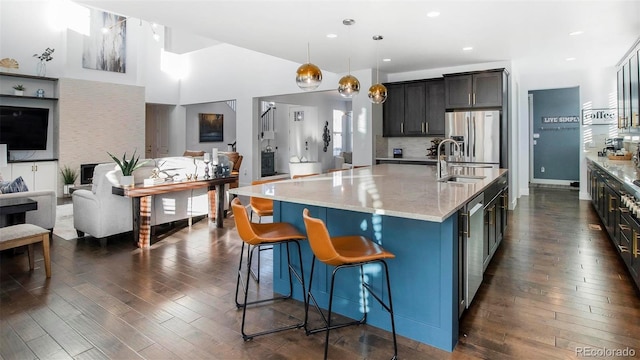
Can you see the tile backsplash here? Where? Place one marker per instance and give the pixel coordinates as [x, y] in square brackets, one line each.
[412, 147]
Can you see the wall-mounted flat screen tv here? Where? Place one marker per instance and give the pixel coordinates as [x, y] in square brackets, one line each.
[24, 128]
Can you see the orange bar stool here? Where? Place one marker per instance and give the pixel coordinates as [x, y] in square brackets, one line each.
[261, 207]
[255, 236]
[344, 252]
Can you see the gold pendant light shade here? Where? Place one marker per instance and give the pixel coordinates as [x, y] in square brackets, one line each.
[377, 93]
[348, 86]
[308, 77]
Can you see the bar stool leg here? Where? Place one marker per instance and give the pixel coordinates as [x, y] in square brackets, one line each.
[390, 309]
[239, 279]
[326, 338]
[309, 296]
[292, 273]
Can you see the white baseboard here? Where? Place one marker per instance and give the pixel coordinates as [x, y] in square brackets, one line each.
[584, 195]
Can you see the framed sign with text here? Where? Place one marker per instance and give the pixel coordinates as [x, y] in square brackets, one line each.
[599, 116]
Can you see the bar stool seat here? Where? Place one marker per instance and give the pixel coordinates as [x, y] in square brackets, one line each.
[344, 252]
[256, 236]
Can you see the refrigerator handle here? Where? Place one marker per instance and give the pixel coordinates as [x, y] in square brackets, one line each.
[472, 138]
[469, 139]
[473, 135]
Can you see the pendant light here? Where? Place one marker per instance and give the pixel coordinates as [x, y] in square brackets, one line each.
[349, 84]
[377, 92]
[308, 76]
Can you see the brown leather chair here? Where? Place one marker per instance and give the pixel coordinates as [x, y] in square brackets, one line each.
[344, 252]
[193, 153]
[256, 236]
[236, 158]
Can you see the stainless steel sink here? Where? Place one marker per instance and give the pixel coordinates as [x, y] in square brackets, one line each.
[462, 178]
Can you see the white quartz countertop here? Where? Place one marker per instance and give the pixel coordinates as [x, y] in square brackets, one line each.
[624, 171]
[406, 191]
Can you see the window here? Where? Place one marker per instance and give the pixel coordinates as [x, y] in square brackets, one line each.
[341, 135]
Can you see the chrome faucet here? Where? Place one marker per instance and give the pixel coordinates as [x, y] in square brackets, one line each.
[440, 161]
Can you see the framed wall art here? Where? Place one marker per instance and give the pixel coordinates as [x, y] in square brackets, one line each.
[105, 47]
[211, 127]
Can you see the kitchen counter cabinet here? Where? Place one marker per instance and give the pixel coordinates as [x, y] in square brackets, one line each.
[608, 181]
[495, 217]
[410, 214]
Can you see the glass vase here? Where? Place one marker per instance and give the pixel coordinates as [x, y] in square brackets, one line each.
[41, 68]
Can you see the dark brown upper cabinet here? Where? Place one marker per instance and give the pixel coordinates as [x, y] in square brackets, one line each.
[414, 108]
[474, 90]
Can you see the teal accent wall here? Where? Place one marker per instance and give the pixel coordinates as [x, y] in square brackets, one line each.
[557, 149]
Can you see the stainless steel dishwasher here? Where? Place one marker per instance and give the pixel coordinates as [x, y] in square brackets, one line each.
[471, 246]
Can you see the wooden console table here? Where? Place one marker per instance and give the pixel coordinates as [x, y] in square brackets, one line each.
[141, 198]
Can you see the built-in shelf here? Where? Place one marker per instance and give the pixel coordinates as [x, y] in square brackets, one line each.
[27, 97]
[25, 76]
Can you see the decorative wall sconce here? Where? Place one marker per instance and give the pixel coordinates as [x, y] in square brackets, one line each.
[326, 136]
[377, 92]
[308, 76]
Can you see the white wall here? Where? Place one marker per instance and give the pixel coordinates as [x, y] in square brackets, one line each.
[192, 126]
[597, 88]
[221, 73]
[325, 102]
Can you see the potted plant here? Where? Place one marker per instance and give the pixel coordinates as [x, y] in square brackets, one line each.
[18, 89]
[69, 177]
[127, 167]
[41, 68]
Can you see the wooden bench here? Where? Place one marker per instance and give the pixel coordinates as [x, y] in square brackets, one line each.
[27, 234]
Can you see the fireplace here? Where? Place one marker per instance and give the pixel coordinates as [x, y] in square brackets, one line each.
[86, 173]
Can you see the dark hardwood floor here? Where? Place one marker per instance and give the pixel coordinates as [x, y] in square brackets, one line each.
[553, 287]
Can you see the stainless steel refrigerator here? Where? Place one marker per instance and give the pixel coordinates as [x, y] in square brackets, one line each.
[478, 134]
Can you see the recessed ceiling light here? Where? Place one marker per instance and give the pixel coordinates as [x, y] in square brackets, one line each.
[467, 48]
[386, 60]
[433, 14]
[332, 36]
[577, 32]
[570, 58]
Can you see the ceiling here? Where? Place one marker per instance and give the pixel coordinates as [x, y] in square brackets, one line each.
[532, 34]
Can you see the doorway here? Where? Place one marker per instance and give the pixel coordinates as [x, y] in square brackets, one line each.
[554, 118]
[157, 119]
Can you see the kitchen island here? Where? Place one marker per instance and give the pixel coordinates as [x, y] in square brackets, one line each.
[407, 211]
